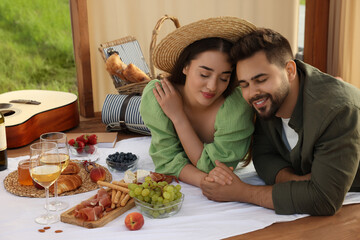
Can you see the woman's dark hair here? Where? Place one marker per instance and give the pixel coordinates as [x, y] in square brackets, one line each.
[193, 50]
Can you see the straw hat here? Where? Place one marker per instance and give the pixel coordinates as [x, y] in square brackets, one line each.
[168, 50]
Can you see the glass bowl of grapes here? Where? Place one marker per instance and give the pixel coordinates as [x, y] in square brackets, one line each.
[157, 199]
[121, 161]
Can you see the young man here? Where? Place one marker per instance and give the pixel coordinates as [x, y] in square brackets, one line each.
[307, 134]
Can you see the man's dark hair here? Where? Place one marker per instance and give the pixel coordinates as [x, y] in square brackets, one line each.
[193, 50]
[276, 47]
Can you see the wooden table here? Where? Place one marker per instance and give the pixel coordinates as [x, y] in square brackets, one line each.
[345, 224]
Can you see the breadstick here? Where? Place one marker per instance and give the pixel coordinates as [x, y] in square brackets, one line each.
[122, 196]
[113, 198]
[113, 186]
[117, 196]
[125, 200]
[120, 183]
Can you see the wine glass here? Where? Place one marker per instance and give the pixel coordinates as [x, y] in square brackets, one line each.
[61, 140]
[45, 169]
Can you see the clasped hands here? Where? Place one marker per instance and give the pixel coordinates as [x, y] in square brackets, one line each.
[221, 184]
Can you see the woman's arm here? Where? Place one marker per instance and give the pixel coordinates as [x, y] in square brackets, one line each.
[191, 175]
[171, 103]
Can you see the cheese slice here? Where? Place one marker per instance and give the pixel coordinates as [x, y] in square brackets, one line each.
[129, 177]
[141, 174]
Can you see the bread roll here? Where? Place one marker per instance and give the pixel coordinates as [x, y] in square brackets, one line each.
[115, 66]
[72, 168]
[67, 183]
[134, 74]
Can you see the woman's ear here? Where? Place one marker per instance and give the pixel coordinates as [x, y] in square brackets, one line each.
[185, 70]
[291, 70]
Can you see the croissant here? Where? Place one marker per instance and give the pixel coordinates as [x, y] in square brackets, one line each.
[134, 74]
[115, 66]
[72, 168]
[67, 183]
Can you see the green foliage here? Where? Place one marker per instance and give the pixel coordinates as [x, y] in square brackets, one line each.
[36, 46]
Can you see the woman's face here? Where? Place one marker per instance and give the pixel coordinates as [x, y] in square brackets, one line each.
[207, 77]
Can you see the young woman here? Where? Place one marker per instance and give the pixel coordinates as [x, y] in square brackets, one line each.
[197, 115]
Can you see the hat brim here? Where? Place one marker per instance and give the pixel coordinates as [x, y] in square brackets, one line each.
[168, 50]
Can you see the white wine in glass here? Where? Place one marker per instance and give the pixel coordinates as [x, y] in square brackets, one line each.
[45, 173]
[61, 140]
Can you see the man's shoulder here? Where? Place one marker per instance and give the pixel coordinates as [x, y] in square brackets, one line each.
[323, 90]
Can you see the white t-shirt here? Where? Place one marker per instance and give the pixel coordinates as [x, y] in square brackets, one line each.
[291, 136]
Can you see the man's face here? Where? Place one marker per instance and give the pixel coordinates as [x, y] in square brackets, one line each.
[264, 85]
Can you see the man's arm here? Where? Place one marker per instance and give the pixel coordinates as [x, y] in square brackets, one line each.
[288, 174]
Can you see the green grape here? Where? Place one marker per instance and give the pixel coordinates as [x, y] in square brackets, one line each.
[166, 195]
[160, 200]
[178, 187]
[156, 214]
[145, 192]
[179, 195]
[140, 197]
[148, 179]
[169, 188]
[132, 186]
[145, 185]
[132, 194]
[138, 190]
[166, 201]
[152, 193]
[172, 197]
[147, 199]
[154, 198]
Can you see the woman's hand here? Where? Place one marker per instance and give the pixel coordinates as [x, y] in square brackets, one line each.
[221, 174]
[169, 99]
[216, 191]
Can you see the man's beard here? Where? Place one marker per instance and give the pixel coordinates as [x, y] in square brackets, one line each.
[275, 100]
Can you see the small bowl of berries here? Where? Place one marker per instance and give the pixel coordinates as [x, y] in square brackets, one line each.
[121, 161]
[84, 147]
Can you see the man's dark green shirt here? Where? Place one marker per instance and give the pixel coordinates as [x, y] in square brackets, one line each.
[326, 119]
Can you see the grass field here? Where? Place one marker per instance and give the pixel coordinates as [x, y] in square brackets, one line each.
[36, 46]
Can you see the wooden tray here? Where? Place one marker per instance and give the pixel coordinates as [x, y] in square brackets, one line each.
[68, 216]
[12, 185]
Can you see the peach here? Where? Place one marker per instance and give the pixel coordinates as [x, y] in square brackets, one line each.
[97, 174]
[134, 221]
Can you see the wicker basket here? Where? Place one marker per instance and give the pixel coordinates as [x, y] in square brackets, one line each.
[122, 86]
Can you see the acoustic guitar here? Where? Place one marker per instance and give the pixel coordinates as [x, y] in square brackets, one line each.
[30, 113]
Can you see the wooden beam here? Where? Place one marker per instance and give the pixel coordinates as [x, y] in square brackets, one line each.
[316, 33]
[80, 31]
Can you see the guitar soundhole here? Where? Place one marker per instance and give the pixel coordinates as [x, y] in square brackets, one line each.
[5, 105]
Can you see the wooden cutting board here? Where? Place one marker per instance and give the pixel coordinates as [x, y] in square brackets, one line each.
[68, 216]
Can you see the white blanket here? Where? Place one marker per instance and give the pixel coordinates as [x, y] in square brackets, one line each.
[198, 218]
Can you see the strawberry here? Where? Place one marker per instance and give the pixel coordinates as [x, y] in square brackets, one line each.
[92, 139]
[89, 149]
[83, 138]
[71, 142]
[79, 145]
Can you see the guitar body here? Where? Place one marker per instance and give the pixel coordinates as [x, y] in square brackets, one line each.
[53, 111]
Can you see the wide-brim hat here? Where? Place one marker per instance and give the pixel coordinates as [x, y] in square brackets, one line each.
[170, 47]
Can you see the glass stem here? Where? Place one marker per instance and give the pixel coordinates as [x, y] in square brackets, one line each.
[55, 191]
[47, 200]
